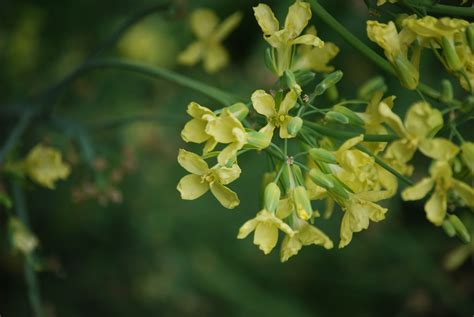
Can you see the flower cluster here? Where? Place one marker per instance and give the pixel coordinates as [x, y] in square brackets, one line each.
[347, 156]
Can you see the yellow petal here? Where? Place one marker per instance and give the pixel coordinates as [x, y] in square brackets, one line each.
[224, 195]
[266, 236]
[227, 175]
[268, 130]
[210, 145]
[263, 103]
[225, 129]
[284, 134]
[285, 208]
[419, 190]
[465, 191]
[436, 207]
[247, 228]
[203, 22]
[392, 119]
[197, 111]
[439, 149]
[431, 27]
[309, 39]
[192, 162]
[215, 58]
[289, 247]
[227, 26]
[422, 120]
[45, 166]
[266, 19]
[386, 36]
[192, 187]
[288, 102]
[309, 234]
[297, 18]
[195, 131]
[228, 154]
[191, 55]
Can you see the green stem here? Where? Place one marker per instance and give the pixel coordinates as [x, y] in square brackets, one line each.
[344, 135]
[451, 10]
[367, 51]
[380, 162]
[34, 295]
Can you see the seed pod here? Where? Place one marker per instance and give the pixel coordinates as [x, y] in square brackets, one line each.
[271, 197]
[446, 91]
[450, 55]
[258, 140]
[291, 81]
[239, 110]
[406, 72]
[322, 155]
[351, 115]
[302, 203]
[294, 126]
[461, 230]
[330, 80]
[321, 179]
[336, 117]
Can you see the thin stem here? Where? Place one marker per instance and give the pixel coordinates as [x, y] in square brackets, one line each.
[34, 295]
[451, 10]
[344, 135]
[367, 51]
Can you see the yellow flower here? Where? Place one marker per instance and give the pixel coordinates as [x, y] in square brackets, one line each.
[203, 178]
[22, 238]
[266, 226]
[468, 82]
[467, 155]
[381, 2]
[358, 210]
[265, 105]
[421, 123]
[195, 129]
[282, 40]
[210, 34]
[395, 45]
[45, 166]
[442, 180]
[316, 58]
[304, 235]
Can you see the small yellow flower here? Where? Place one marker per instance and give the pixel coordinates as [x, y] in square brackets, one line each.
[282, 40]
[316, 58]
[442, 180]
[467, 155]
[266, 226]
[210, 34]
[265, 105]
[304, 235]
[45, 166]
[358, 210]
[381, 2]
[203, 178]
[195, 129]
[22, 238]
[395, 45]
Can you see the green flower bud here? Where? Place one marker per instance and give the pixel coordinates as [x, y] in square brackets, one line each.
[468, 104]
[467, 155]
[294, 126]
[258, 140]
[271, 197]
[406, 72]
[446, 91]
[329, 81]
[371, 86]
[332, 93]
[322, 155]
[461, 230]
[304, 77]
[291, 81]
[449, 228]
[470, 37]
[298, 176]
[302, 203]
[321, 179]
[450, 55]
[336, 117]
[239, 110]
[338, 189]
[270, 60]
[351, 115]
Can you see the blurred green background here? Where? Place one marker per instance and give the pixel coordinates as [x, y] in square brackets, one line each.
[116, 239]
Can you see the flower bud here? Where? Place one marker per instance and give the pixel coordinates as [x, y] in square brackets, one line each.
[298, 176]
[351, 115]
[302, 203]
[446, 91]
[468, 104]
[406, 72]
[321, 179]
[258, 140]
[330, 80]
[21, 237]
[336, 117]
[449, 228]
[467, 155]
[371, 86]
[338, 188]
[332, 93]
[304, 77]
[239, 110]
[271, 197]
[322, 155]
[450, 55]
[294, 126]
[270, 60]
[461, 230]
[291, 82]
[470, 37]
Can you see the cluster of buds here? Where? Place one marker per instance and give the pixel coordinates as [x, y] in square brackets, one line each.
[338, 155]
